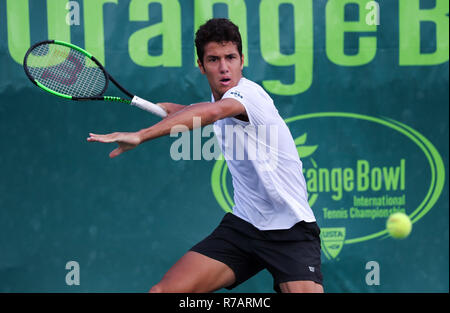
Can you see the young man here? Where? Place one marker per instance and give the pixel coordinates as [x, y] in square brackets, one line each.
[272, 225]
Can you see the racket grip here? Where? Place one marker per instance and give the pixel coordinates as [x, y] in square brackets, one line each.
[148, 106]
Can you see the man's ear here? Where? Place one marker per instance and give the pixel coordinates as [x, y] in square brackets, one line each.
[242, 62]
[200, 66]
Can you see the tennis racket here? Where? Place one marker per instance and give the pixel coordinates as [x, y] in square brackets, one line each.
[70, 72]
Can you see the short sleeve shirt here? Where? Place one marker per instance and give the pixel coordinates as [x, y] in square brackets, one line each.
[269, 186]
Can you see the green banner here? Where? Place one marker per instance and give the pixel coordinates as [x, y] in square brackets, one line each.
[362, 86]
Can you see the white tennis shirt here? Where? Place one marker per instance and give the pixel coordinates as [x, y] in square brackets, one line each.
[269, 186]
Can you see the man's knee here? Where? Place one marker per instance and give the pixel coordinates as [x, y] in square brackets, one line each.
[165, 287]
[156, 289]
[302, 286]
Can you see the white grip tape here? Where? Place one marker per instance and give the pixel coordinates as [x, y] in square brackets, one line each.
[148, 106]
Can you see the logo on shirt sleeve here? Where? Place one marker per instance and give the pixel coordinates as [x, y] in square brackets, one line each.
[237, 94]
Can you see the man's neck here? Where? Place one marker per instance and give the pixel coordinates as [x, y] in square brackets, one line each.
[217, 96]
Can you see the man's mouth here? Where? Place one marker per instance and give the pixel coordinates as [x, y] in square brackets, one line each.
[225, 81]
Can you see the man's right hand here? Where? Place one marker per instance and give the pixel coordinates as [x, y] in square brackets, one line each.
[171, 108]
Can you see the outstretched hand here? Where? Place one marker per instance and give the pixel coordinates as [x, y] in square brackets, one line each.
[126, 141]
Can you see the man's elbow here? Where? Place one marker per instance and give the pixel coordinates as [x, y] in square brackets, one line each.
[215, 113]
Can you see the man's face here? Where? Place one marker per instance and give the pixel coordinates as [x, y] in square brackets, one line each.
[223, 66]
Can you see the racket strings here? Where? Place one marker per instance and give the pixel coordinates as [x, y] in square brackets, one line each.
[66, 71]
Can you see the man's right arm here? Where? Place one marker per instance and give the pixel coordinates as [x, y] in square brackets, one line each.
[207, 112]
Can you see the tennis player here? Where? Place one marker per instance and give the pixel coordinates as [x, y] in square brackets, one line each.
[272, 226]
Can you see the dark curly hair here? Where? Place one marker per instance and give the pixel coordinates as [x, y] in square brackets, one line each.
[217, 30]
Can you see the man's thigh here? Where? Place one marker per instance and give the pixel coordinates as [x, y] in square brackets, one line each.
[195, 272]
[304, 286]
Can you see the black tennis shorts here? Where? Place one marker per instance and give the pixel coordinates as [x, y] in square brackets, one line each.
[288, 254]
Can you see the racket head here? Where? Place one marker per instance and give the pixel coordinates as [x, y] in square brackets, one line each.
[65, 70]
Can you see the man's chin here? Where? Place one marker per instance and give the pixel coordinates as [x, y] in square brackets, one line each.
[224, 89]
[221, 90]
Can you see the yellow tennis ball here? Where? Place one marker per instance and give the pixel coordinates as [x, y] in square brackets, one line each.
[399, 225]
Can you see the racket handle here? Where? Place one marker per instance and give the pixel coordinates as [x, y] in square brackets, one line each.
[148, 106]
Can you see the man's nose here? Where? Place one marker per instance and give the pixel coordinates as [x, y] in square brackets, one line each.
[223, 66]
